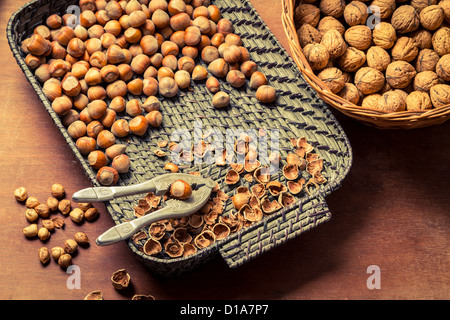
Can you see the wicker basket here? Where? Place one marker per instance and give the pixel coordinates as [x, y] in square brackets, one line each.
[371, 117]
[297, 112]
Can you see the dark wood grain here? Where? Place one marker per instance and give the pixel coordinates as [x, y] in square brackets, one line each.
[391, 211]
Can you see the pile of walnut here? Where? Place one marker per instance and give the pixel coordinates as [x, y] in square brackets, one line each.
[257, 194]
[146, 50]
[402, 63]
[37, 210]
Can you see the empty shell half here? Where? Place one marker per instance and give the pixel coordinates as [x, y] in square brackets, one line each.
[276, 187]
[268, 206]
[157, 230]
[221, 230]
[232, 177]
[294, 187]
[290, 171]
[262, 174]
[259, 190]
[204, 239]
[120, 279]
[182, 235]
[152, 247]
[189, 249]
[173, 248]
[286, 199]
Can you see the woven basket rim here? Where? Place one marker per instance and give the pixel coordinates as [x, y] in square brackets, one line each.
[377, 118]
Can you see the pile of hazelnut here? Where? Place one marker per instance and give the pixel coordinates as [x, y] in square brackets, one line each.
[399, 62]
[44, 210]
[105, 76]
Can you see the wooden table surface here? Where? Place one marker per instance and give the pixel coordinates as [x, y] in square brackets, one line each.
[392, 211]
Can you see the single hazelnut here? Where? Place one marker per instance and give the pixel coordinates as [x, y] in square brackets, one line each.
[221, 99]
[21, 194]
[91, 214]
[44, 255]
[65, 260]
[48, 224]
[236, 78]
[199, 73]
[107, 176]
[168, 87]
[154, 118]
[180, 190]
[258, 79]
[121, 163]
[212, 84]
[81, 238]
[266, 94]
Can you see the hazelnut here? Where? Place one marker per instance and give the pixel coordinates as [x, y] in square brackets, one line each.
[44, 255]
[81, 238]
[48, 224]
[213, 85]
[65, 260]
[180, 190]
[107, 176]
[42, 210]
[266, 94]
[168, 87]
[57, 252]
[64, 206]
[32, 202]
[154, 118]
[97, 159]
[236, 78]
[199, 73]
[220, 100]
[70, 246]
[20, 194]
[43, 234]
[77, 215]
[120, 128]
[91, 214]
[31, 230]
[138, 125]
[218, 68]
[105, 139]
[182, 78]
[31, 215]
[258, 79]
[121, 163]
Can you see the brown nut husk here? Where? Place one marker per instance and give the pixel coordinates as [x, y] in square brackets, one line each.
[404, 49]
[359, 36]
[333, 78]
[317, 55]
[262, 175]
[232, 177]
[418, 100]
[440, 95]
[334, 42]
[351, 60]
[355, 13]
[369, 80]
[189, 249]
[405, 19]
[307, 34]
[275, 188]
[441, 41]
[431, 17]
[120, 279]
[423, 81]
[427, 60]
[221, 231]
[391, 101]
[152, 247]
[384, 35]
[399, 74]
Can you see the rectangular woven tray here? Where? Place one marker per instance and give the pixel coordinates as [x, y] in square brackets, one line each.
[297, 112]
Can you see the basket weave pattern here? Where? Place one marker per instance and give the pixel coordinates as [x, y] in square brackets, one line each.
[297, 112]
[371, 117]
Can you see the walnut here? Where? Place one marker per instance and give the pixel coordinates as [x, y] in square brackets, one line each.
[441, 41]
[424, 80]
[391, 101]
[335, 44]
[333, 78]
[359, 37]
[405, 19]
[418, 100]
[404, 49]
[427, 60]
[307, 13]
[334, 8]
[351, 60]
[355, 13]
[440, 95]
[402, 93]
[378, 58]
[347, 77]
[317, 55]
[384, 35]
[371, 101]
[445, 5]
[350, 93]
[432, 17]
[386, 7]
[369, 80]
[443, 67]
[422, 38]
[307, 34]
[399, 74]
[328, 23]
[419, 5]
